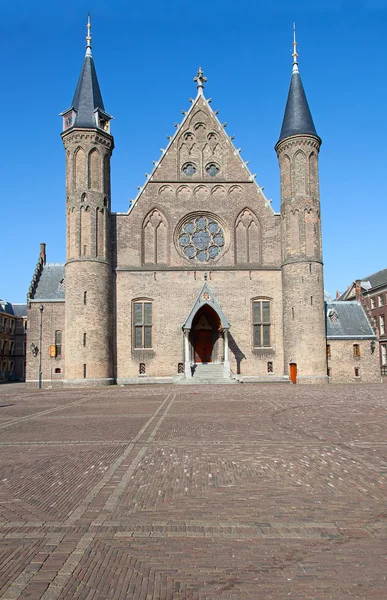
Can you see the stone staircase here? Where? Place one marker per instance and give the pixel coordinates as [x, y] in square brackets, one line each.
[208, 373]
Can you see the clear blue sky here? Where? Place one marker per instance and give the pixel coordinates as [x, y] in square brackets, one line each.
[146, 55]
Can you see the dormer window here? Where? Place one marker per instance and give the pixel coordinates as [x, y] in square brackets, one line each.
[67, 120]
[332, 314]
[104, 124]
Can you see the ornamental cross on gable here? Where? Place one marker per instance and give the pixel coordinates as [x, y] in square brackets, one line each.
[201, 80]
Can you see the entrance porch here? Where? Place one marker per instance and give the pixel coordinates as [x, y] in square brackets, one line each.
[206, 338]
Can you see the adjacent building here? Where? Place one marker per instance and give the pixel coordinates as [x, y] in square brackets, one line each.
[13, 332]
[371, 292]
[351, 344]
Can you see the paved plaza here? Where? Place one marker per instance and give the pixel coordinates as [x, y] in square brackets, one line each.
[194, 492]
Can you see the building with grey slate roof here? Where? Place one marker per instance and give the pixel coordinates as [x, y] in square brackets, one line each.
[351, 343]
[371, 292]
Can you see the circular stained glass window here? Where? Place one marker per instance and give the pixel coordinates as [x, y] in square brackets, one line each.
[189, 169]
[212, 169]
[201, 239]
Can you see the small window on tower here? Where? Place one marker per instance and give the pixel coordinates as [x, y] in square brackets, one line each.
[68, 120]
[104, 124]
[58, 343]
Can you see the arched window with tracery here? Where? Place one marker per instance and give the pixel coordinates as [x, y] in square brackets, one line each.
[155, 238]
[248, 238]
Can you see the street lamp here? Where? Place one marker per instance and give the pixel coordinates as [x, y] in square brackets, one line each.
[40, 346]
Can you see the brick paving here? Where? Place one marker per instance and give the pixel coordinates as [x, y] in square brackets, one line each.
[233, 492]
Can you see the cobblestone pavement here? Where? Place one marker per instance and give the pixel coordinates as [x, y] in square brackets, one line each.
[231, 492]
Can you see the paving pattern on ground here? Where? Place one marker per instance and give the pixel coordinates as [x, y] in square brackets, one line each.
[212, 492]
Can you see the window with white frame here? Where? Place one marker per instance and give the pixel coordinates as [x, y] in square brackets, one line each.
[383, 353]
[380, 300]
[382, 329]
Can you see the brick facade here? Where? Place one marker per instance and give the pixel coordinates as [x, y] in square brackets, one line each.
[133, 278]
[352, 361]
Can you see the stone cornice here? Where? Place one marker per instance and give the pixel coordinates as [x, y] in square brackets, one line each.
[302, 259]
[209, 269]
[298, 140]
[91, 135]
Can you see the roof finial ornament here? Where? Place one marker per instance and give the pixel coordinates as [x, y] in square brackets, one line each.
[295, 54]
[88, 37]
[201, 80]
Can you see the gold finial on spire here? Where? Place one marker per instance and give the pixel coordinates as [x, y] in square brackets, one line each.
[295, 54]
[88, 36]
[201, 80]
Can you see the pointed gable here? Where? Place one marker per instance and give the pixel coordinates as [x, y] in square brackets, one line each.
[201, 150]
[206, 296]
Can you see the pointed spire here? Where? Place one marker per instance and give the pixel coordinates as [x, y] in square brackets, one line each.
[88, 37]
[295, 54]
[201, 80]
[87, 102]
[297, 118]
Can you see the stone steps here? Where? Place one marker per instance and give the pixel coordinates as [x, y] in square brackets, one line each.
[208, 373]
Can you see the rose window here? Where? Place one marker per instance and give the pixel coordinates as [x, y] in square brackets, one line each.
[201, 239]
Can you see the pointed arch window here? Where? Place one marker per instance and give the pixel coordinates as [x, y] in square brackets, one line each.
[155, 238]
[248, 238]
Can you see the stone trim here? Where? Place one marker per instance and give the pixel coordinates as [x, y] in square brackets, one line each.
[298, 140]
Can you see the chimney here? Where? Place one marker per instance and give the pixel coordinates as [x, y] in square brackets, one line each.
[43, 252]
[358, 293]
[337, 294]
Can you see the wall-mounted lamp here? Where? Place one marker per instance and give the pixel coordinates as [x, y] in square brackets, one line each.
[34, 349]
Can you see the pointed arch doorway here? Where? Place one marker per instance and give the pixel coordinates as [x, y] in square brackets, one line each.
[205, 335]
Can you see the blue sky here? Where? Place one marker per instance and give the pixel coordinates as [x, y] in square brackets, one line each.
[146, 55]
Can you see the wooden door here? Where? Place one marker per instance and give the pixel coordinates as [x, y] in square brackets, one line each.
[293, 372]
[203, 346]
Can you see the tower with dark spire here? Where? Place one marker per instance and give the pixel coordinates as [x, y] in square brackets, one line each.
[302, 268]
[88, 145]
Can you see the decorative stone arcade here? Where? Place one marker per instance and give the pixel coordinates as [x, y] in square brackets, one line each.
[206, 334]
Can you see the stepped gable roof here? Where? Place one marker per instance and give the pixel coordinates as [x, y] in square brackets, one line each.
[51, 284]
[206, 296]
[347, 320]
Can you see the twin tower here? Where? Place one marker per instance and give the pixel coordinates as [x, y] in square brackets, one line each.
[90, 272]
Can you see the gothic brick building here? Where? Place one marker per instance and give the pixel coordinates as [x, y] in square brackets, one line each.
[201, 277]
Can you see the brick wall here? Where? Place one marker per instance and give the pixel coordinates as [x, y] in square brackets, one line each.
[342, 362]
[53, 319]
